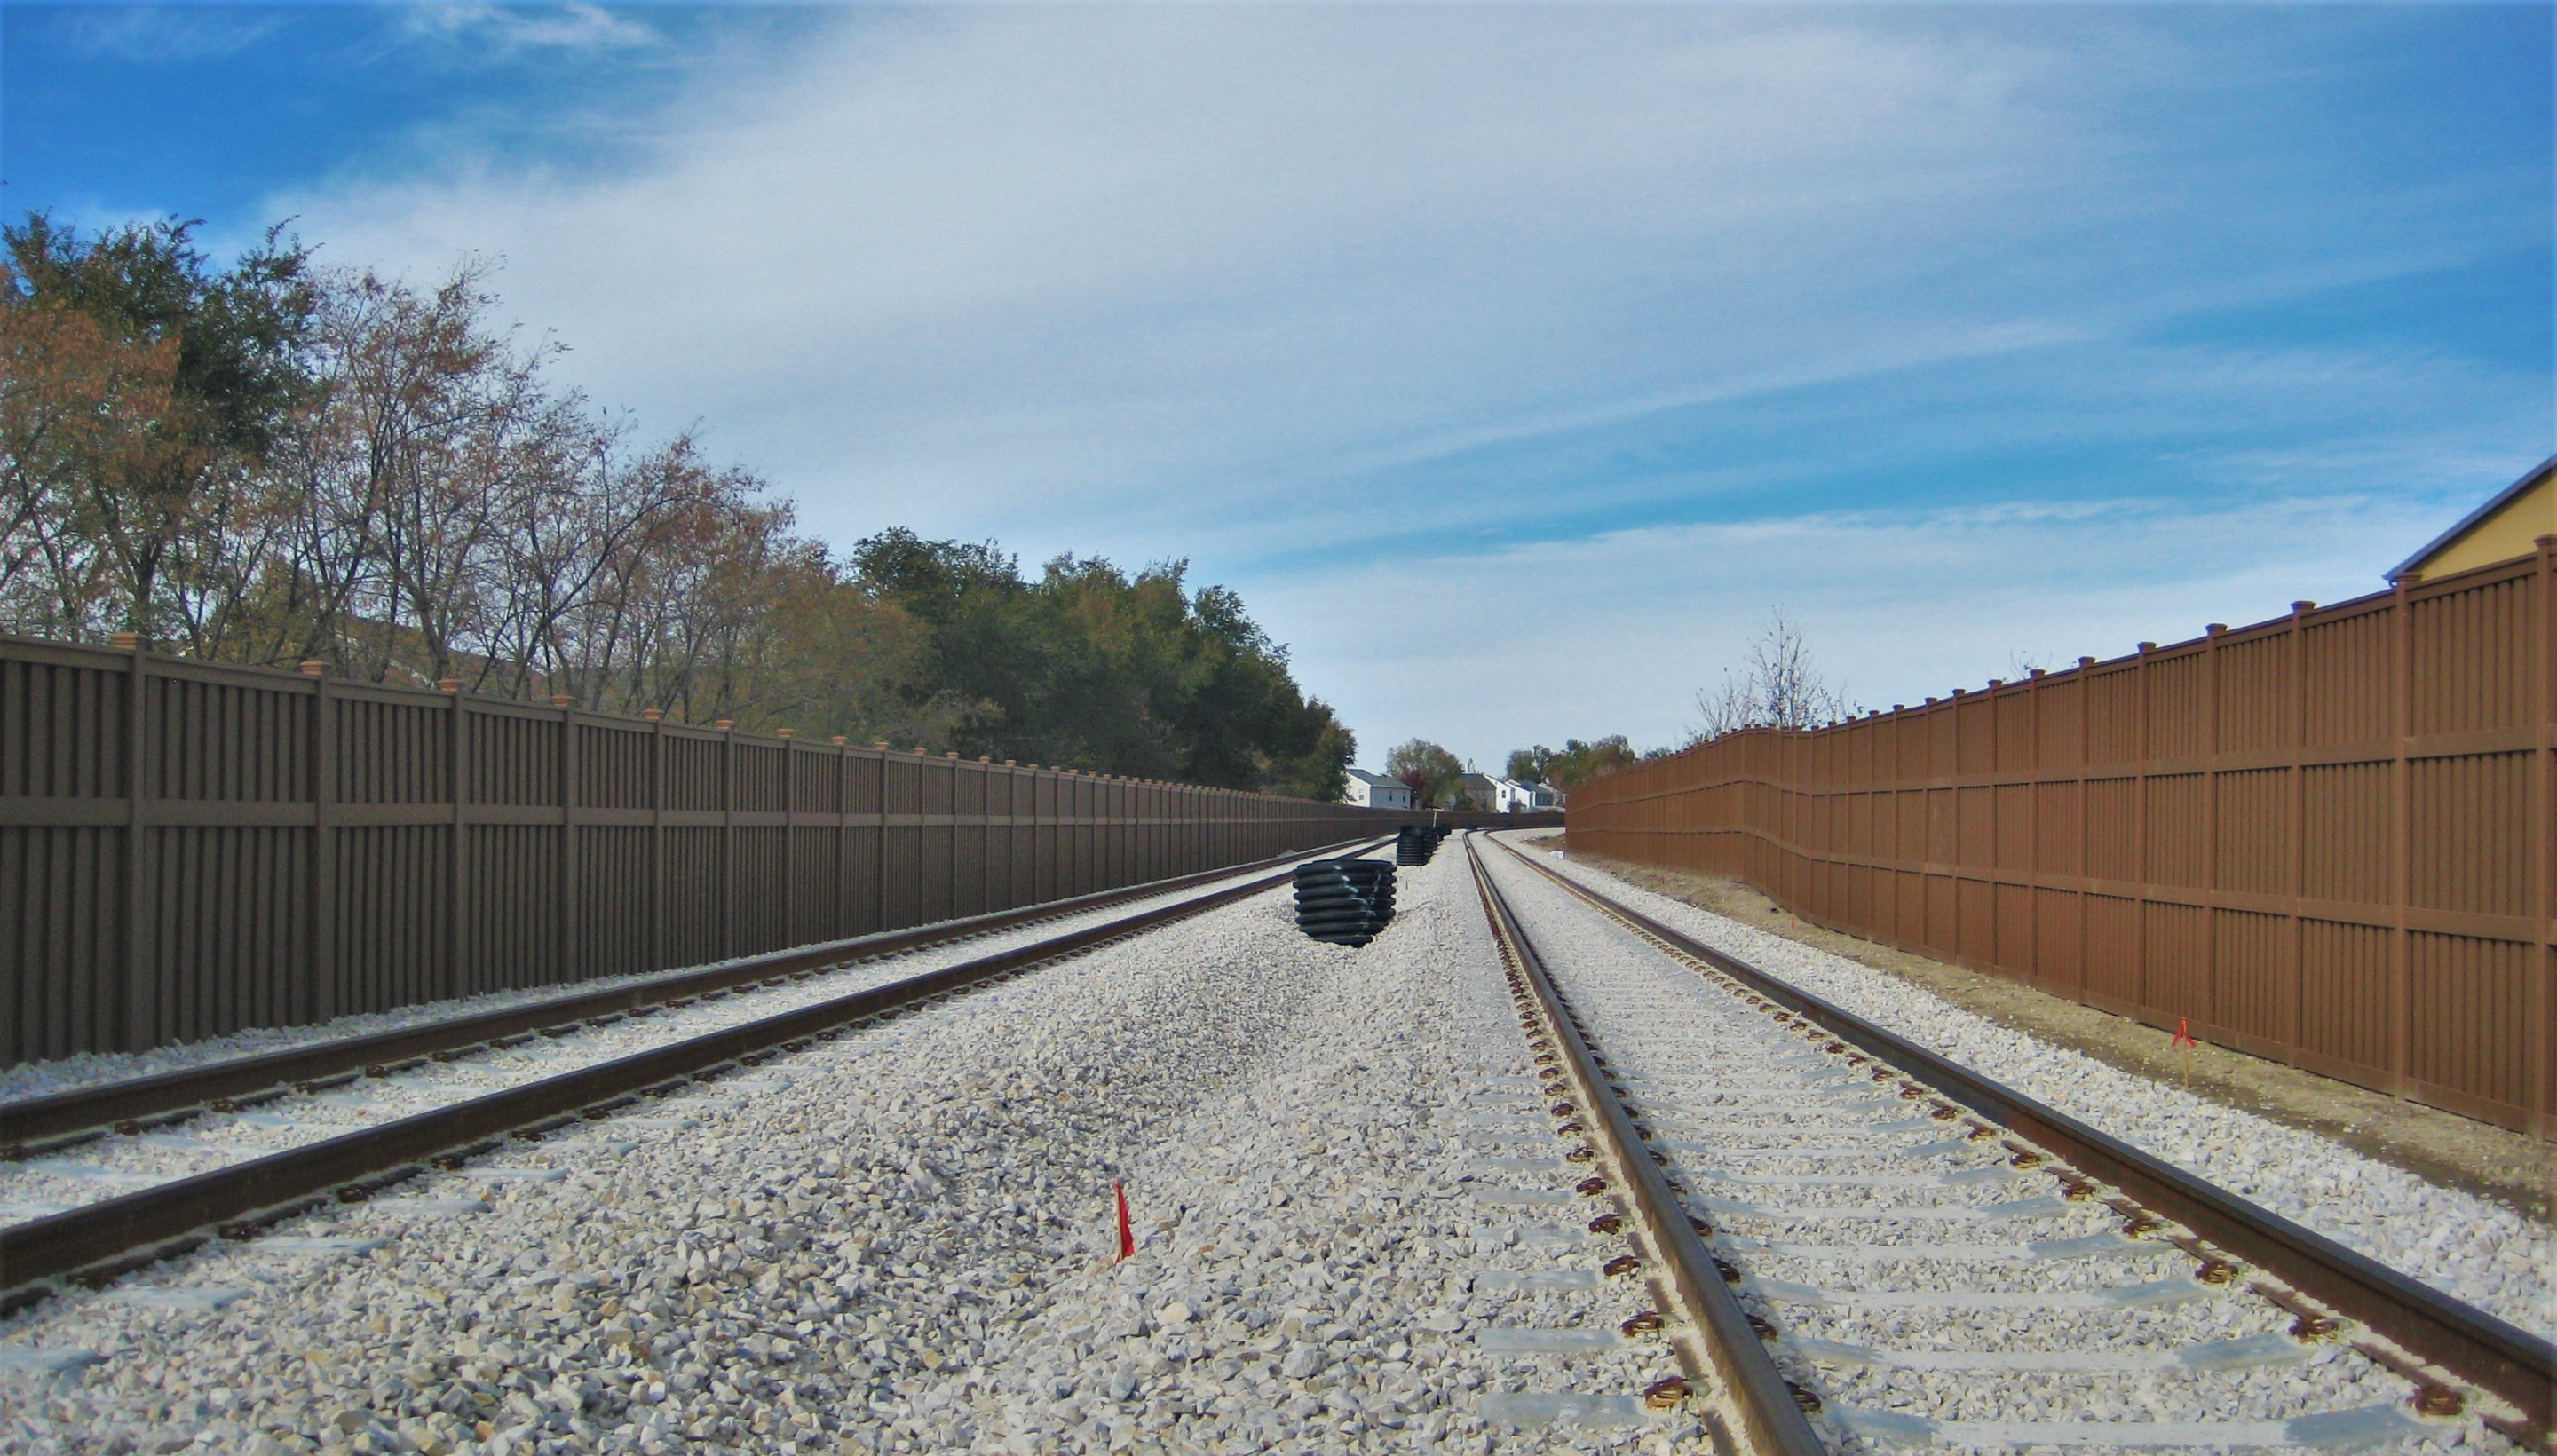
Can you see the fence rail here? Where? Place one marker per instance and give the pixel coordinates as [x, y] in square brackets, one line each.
[2325, 839]
[188, 849]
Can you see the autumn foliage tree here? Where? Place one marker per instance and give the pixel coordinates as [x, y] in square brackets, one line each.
[275, 462]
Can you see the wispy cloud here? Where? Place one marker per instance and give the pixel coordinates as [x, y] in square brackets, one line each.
[165, 34]
[1304, 292]
[507, 29]
[1613, 633]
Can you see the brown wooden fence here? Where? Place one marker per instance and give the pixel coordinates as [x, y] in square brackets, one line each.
[2324, 838]
[188, 849]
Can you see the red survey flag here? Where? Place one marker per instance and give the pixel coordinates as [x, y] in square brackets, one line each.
[1126, 1234]
[2184, 1033]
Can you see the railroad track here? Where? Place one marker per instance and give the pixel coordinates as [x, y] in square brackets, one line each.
[1867, 1245]
[97, 1241]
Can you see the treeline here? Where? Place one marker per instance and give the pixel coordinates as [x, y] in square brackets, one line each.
[1779, 685]
[275, 462]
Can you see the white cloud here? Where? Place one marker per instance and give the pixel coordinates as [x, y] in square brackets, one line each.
[1255, 283]
[155, 34]
[505, 29]
[1559, 639]
[1054, 260]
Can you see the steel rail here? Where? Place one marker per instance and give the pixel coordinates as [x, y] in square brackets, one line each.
[37, 1124]
[1772, 1423]
[2487, 1353]
[96, 1241]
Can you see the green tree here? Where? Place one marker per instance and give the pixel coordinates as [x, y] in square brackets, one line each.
[1574, 763]
[1094, 667]
[1428, 769]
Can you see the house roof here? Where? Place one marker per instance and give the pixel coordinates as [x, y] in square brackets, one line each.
[1376, 780]
[2530, 480]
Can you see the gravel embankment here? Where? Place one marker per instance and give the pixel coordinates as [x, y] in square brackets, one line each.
[92, 1171]
[89, 1069]
[896, 1243]
[2472, 1248]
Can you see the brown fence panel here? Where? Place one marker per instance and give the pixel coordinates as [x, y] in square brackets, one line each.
[2325, 839]
[188, 849]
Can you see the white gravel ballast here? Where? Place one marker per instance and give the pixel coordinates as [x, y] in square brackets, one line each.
[1355, 1233]
[2472, 1248]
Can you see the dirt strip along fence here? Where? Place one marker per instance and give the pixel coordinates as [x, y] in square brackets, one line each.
[2324, 838]
[188, 849]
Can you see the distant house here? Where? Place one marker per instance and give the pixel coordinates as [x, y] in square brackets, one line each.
[1376, 791]
[1522, 798]
[2505, 527]
[1478, 790]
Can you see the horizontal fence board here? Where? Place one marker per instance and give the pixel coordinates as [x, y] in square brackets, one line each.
[2325, 839]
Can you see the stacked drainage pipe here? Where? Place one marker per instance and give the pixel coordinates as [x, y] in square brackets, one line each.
[1413, 844]
[1344, 901]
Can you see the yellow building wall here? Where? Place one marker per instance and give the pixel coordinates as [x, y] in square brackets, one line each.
[2512, 531]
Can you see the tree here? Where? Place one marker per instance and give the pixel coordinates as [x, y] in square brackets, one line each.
[198, 371]
[1095, 667]
[1573, 764]
[1780, 687]
[1428, 770]
[278, 463]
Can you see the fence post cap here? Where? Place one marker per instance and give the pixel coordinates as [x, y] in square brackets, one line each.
[1008, 764]
[124, 641]
[448, 684]
[2086, 662]
[989, 758]
[882, 745]
[725, 725]
[841, 740]
[2147, 648]
[312, 667]
[785, 733]
[654, 714]
[2033, 672]
[2214, 629]
[562, 700]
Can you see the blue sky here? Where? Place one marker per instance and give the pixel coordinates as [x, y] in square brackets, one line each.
[1512, 362]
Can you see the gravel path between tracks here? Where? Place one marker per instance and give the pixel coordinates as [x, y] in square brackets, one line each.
[898, 1241]
[2476, 1248]
[90, 1068]
[106, 1167]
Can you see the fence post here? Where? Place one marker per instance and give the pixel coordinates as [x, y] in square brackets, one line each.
[457, 865]
[141, 1008]
[2296, 885]
[728, 837]
[2085, 835]
[2140, 871]
[572, 917]
[656, 718]
[789, 837]
[2543, 697]
[2212, 889]
[320, 999]
[843, 799]
[2401, 808]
